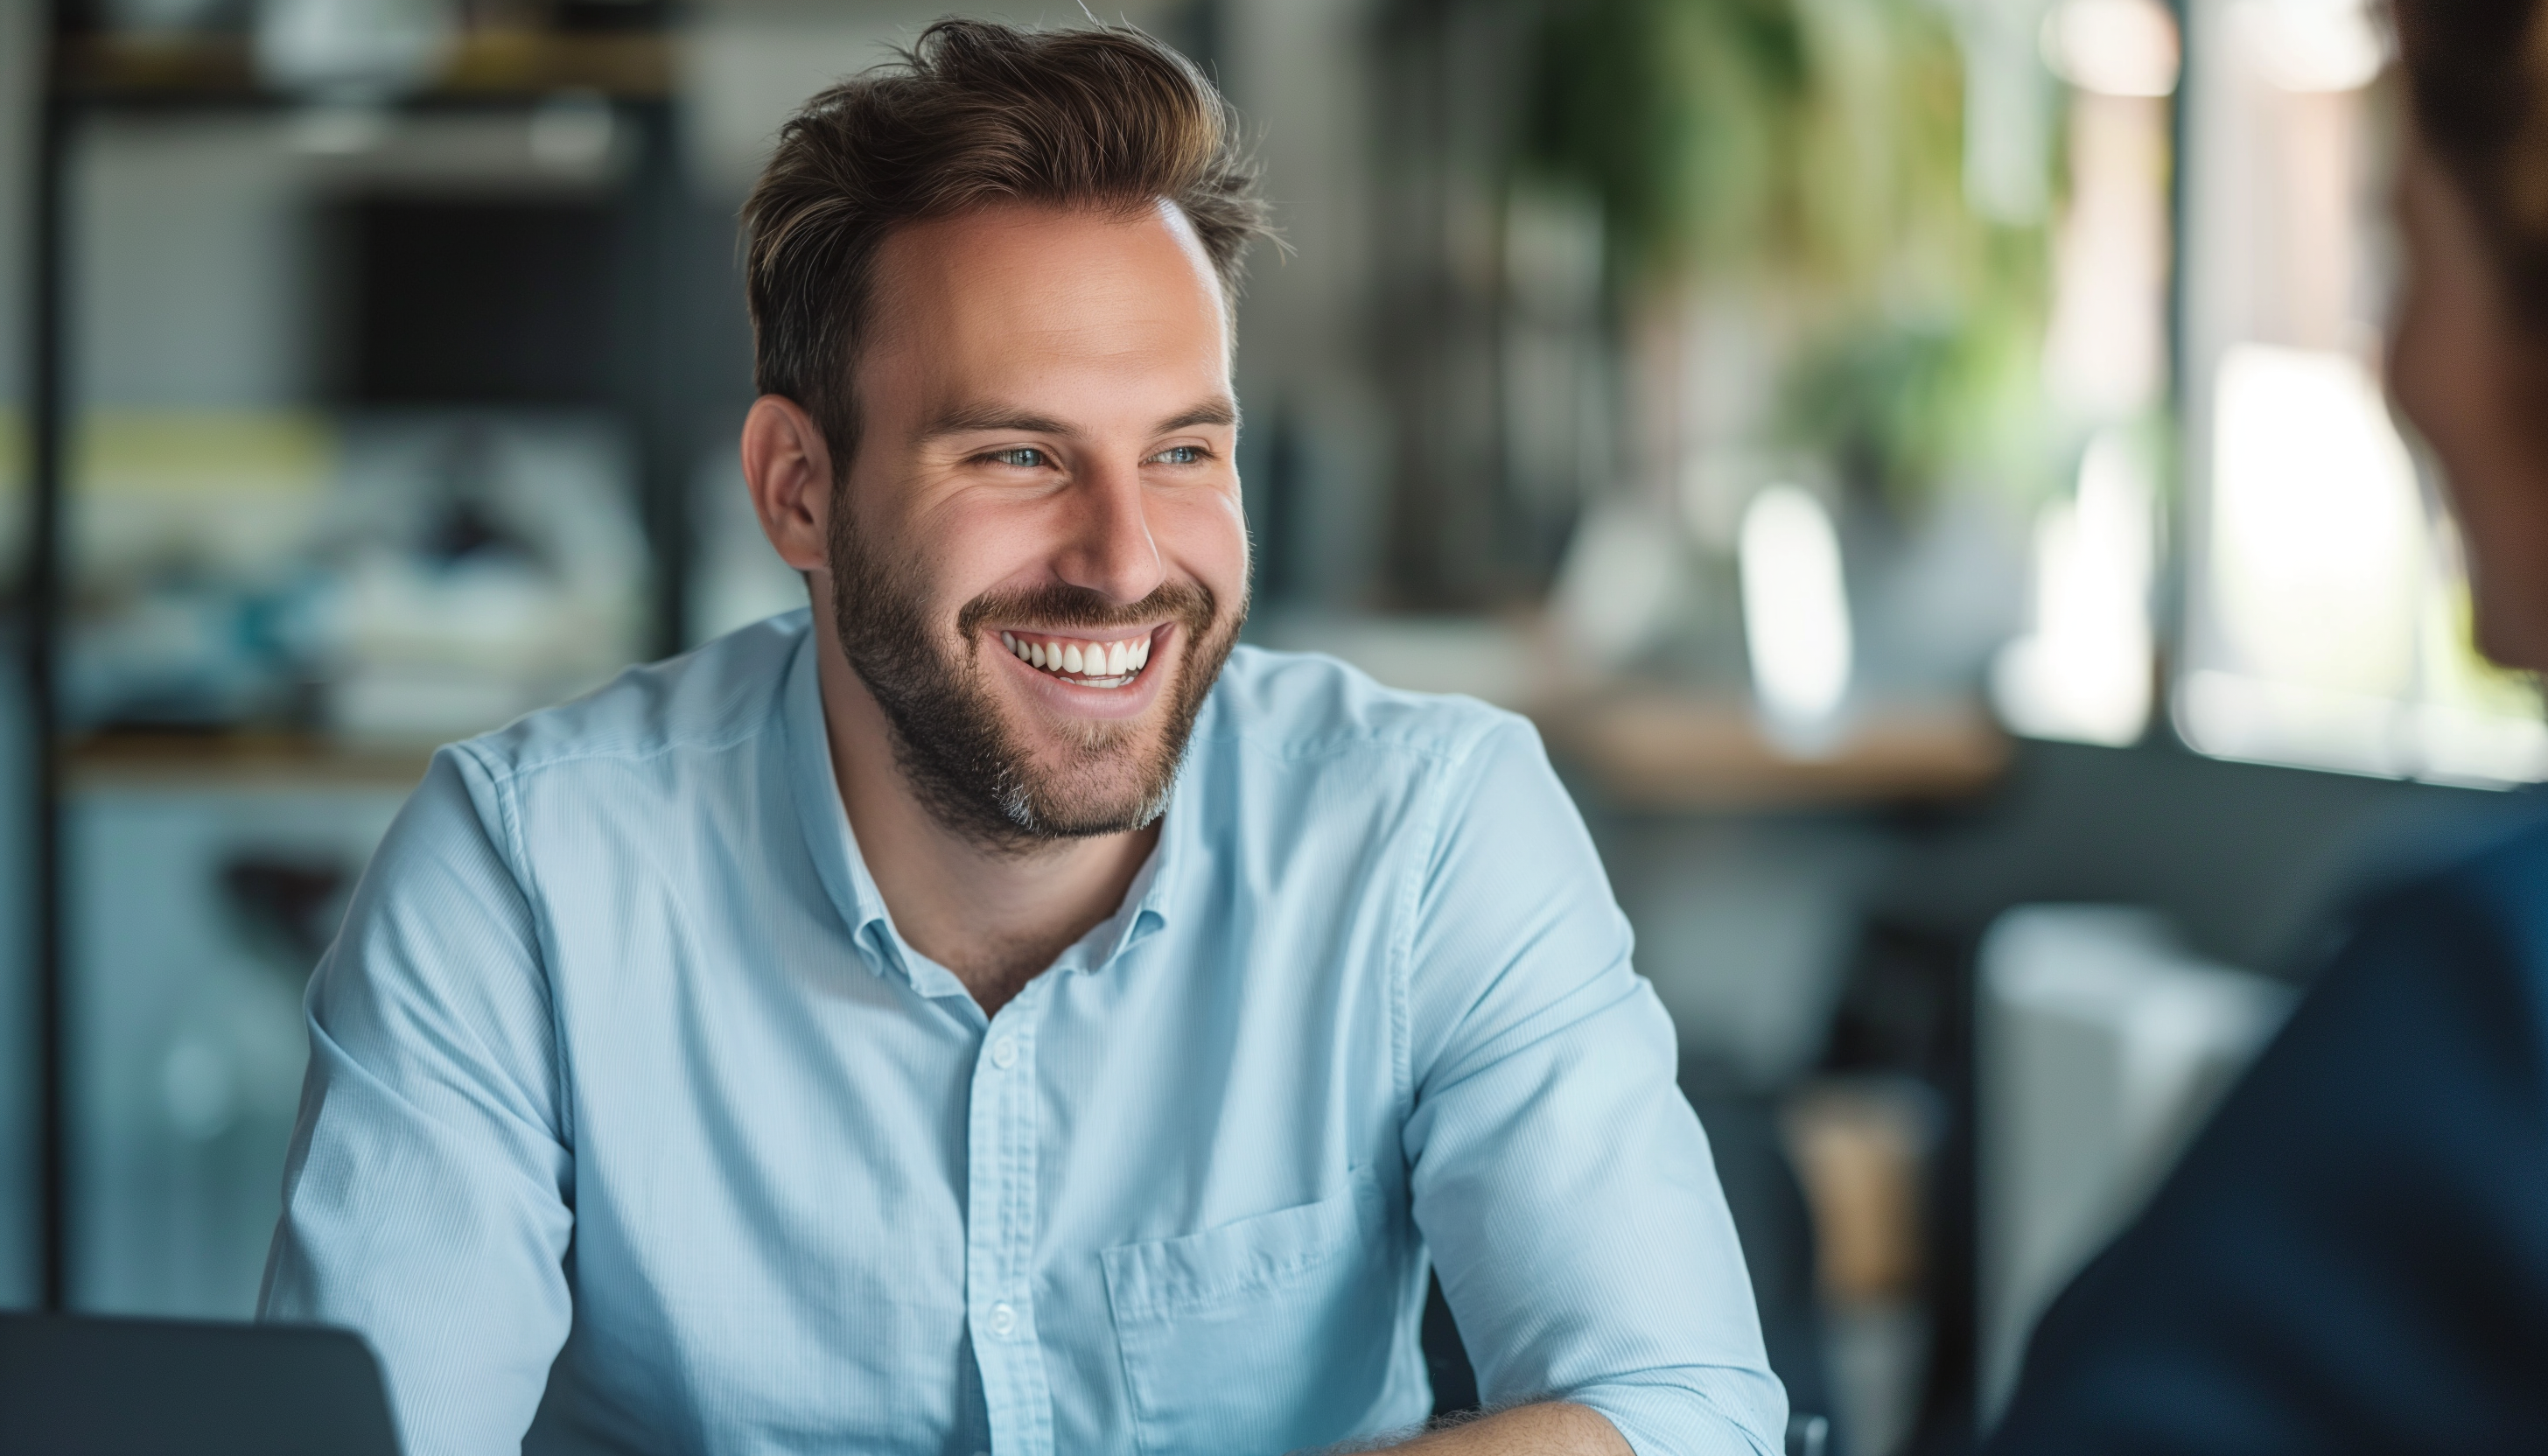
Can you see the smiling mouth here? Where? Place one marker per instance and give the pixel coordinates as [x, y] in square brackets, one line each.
[1078, 661]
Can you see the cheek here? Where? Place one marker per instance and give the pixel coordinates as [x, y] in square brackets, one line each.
[2431, 383]
[2505, 537]
[2409, 333]
[981, 548]
[1205, 536]
[2466, 409]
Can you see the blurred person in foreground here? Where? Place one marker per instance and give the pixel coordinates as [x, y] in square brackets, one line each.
[2354, 1257]
[993, 1012]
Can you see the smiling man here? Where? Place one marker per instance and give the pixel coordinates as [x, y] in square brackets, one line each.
[992, 1012]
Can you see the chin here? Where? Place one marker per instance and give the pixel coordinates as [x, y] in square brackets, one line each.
[1091, 773]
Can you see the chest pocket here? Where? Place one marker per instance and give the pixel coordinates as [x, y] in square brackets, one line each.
[1270, 1334]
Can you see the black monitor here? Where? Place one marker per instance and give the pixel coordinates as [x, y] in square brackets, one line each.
[74, 1386]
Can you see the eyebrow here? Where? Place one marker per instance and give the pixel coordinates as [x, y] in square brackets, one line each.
[963, 419]
[987, 419]
[1222, 410]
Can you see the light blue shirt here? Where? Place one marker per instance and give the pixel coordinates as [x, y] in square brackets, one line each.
[632, 1122]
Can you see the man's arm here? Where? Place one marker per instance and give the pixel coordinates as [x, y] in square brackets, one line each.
[1545, 1428]
[1562, 1183]
[426, 1200]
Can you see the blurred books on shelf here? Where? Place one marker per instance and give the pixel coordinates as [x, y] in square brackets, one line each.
[385, 579]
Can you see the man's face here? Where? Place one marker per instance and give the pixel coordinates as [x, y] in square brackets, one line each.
[1044, 471]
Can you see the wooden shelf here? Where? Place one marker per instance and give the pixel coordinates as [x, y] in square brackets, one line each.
[1646, 745]
[486, 67]
[253, 760]
[1655, 749]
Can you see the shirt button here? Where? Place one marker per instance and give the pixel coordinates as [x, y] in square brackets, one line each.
[1004, 1053]
[1003, 1320]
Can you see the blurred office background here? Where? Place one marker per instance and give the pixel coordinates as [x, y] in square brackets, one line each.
[1921, 463]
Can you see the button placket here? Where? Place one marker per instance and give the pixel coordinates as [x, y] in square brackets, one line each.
[1005, 1125]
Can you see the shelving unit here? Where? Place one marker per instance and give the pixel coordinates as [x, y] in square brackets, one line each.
[616, 56]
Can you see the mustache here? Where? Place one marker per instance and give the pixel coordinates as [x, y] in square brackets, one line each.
[1063, 605]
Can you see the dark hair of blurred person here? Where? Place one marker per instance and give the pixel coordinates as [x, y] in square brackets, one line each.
[2354, 1257]
[2469, 348]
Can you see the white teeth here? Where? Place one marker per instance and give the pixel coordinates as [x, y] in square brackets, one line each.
[1095, 661]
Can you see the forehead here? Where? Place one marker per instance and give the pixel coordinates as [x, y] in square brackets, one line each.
[1014, 289]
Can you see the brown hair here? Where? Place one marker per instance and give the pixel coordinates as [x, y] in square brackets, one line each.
[974, 114]
[2477, 72]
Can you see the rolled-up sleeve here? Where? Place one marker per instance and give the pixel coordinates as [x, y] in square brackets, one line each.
[1560, 1179]
[427, 1196]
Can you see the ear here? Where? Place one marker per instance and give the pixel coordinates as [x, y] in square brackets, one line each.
[788, 467]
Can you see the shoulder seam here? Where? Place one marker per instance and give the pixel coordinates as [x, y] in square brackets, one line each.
[1483, 722]
[517, 863]
[629, 753]
[1436, 725]
[1448, 763]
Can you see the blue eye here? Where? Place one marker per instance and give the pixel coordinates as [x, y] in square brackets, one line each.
[1025, 457]
[1180, 455]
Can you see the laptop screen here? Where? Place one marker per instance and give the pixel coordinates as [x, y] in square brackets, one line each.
[72, 1386]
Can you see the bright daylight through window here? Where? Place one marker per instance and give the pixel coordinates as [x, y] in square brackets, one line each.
[2328, 617]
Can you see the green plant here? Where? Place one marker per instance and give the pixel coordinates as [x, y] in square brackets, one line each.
[1680, 115]
[1812, 150]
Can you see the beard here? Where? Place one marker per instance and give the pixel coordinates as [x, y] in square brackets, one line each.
[963, 760]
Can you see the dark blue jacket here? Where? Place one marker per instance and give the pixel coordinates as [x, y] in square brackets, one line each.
[2354, 1257]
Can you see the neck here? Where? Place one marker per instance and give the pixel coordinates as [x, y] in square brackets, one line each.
[994, 915]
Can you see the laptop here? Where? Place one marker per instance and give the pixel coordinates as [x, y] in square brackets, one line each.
[76, 1385]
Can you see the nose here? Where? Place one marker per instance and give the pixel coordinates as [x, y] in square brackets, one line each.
[1108, 547]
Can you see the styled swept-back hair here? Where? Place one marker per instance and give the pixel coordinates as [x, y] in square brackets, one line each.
[974, 114]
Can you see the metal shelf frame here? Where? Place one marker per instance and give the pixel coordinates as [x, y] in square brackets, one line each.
[82, 74]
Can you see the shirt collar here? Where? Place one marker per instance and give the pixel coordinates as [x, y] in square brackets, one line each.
[817, 792]
[853, 890]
